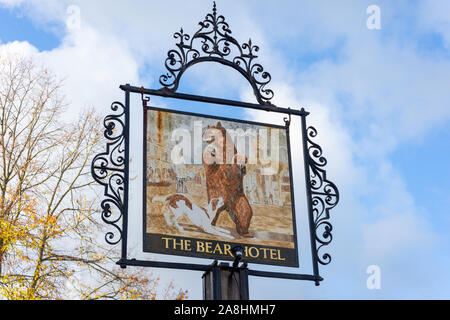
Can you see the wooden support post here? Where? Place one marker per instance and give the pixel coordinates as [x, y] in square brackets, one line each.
[222, 282]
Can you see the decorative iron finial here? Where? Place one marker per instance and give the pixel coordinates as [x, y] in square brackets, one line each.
[215, 43]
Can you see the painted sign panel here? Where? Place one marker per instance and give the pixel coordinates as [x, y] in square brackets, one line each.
[213, 183]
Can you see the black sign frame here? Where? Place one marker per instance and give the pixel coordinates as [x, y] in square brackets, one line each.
[291, 255]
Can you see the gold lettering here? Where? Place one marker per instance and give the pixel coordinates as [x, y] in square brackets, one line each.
[251, 254]
[217, 248]
[265, 252]
[227, 249]
[175, 244]
[279, 256]
[187, 245]
[273, 254]
[166, 242]
[200, 246]
[208, 247]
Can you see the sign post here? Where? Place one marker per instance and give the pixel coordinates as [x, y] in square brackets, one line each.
[214, 187]
[225, 282]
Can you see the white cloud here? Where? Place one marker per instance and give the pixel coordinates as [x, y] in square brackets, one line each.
[17, 48]
[93, 65]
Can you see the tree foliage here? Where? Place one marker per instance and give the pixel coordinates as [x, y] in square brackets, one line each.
[49, 243]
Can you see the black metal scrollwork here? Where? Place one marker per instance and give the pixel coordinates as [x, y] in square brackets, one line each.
[217, 45]
[325, 196]
[108, 169]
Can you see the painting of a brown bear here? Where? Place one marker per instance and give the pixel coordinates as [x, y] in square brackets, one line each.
[225, 170]
[213, 183]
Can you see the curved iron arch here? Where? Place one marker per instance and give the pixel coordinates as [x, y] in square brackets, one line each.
[217, 45]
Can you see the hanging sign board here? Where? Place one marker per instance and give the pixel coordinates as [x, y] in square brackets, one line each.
[211, 184]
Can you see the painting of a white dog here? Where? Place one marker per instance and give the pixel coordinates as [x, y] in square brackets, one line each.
[178, 205]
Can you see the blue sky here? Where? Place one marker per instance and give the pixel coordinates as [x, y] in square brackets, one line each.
[379, 99]
[16, 26]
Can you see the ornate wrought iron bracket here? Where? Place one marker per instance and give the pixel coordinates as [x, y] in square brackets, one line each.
[108, 169]
[324, 196]
[216, 45]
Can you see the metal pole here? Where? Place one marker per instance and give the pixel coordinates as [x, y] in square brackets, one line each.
[309, 202]
[243, 283]
[217, 282]
[125, 178]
